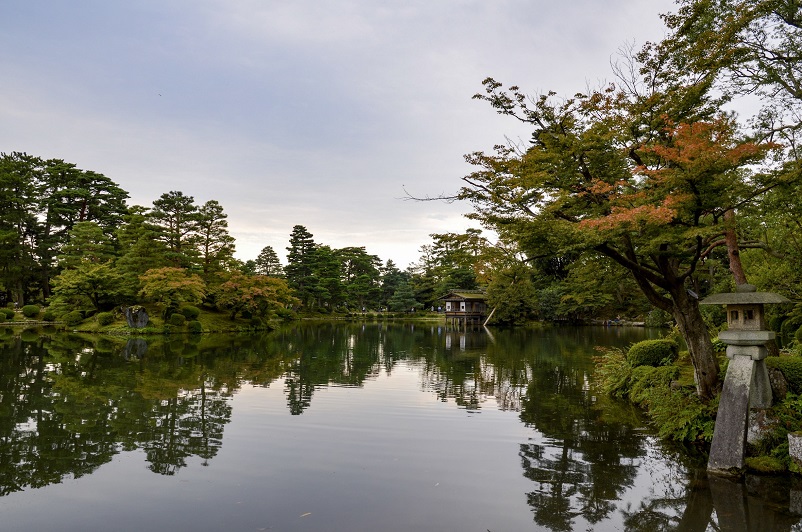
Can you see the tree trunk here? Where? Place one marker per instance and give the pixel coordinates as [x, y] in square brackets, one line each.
[694, 331]
[733, 253]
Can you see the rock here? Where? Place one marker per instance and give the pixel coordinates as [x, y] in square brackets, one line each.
[135, 348]
[795, 451]
[779, 386]
[760, 425]
[136, 316]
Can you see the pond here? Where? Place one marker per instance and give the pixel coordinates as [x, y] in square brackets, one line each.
[347, 426]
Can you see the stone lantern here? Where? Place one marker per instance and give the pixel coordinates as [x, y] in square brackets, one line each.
[747, 383]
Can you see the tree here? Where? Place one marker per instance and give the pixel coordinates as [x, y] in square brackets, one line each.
[19, 173]
[300, 264]
[215, 244]
[87, 243]
[176, 216]
[172, 286]
[360, 276]
[260, 295]
[94, 283]
[267, 263]
[403, 299]
[641, 175]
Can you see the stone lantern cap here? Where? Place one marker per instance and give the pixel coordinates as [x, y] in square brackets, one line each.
[745, 294]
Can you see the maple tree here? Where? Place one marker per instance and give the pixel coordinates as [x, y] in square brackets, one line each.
[642, 174]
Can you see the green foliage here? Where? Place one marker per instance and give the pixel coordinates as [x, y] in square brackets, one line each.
[195, 327]
[190, 312]
[73, 318]
[2, 317]
[765, 464]
[680, 415]
[613, 373]
[104, 318]
[49, 315]
[791, 368]
[178, 320]
[653, 353]
[172, 286]
[657, 318]
[798, 336]
[676, 412]
[645, 379]
[8, 313]
[30, 311]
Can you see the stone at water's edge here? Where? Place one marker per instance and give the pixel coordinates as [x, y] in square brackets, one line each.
[795, 451]
[135, 348]
[136, 316]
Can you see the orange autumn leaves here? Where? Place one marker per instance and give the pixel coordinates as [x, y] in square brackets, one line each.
[691, 171]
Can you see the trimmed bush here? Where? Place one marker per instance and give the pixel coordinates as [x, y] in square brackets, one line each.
[190, 312]
[30, 311]
[8, 313]
[653, 353]
[49, 315]
[2, 317]
[105, 318]
[73, 318]
[178, 320]
[195, 327]
[791, 368]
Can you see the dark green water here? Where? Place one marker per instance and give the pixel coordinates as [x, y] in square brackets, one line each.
[346, 427]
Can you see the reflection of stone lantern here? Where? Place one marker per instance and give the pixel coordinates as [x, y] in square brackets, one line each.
[747, 382]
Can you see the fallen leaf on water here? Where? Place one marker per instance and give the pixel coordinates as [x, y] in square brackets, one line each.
[307, 513]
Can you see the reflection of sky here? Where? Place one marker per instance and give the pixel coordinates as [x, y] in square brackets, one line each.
[388, 455]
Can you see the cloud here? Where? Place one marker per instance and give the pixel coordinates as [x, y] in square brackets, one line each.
[303, 112]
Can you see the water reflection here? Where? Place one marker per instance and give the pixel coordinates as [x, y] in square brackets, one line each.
[69, 403]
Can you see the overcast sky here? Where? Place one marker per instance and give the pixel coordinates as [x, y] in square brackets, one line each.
[319, 113]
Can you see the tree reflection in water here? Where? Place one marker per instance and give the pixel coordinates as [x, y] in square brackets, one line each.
[69, 403]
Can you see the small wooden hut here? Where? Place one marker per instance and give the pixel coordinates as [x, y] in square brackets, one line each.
[465, 307]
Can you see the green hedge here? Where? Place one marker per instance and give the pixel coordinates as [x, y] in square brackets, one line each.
[195, 327]
[105, 318]
[30, 311]
[653, 353]
[190, 312]
[73, 318]
[8, 313]
[49, 315]
[791, 368]
[178, 320]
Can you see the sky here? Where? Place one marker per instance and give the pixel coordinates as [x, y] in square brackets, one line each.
[326, 114]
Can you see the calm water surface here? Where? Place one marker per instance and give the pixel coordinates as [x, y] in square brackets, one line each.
[346, 427]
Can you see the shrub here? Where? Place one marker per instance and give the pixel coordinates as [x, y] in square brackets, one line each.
[653, 353]
[49, 315]
[168, 329]
[612, 372]
[178, 320]
[8, 313]
[791, 368]
[195, 327]
[645, 379]
[104, 318]
[73, 318]
[798, 336]
[30, 311]
[190, 312]
[2, 317]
